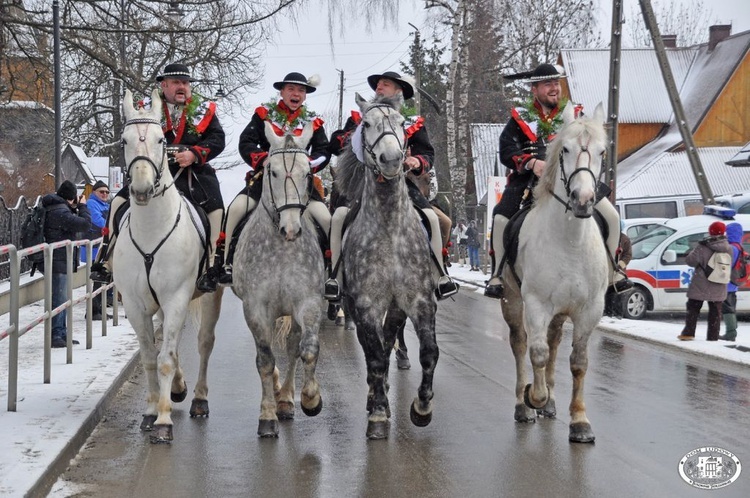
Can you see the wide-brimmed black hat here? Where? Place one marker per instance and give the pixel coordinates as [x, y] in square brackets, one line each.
[543, 72]
[176, 71]
[406, 86]
[298, 79]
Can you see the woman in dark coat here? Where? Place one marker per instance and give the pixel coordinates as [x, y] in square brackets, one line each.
[701, 288]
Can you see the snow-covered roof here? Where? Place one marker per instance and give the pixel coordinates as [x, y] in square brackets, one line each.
[485, 148]
[742, 158]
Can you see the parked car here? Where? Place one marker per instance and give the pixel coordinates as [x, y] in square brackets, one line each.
[635, 227]
[739, 202]
[658, 267]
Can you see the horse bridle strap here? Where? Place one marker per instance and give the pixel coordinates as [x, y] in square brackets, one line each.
[157, 169]
[567, 179]
[148, 258]
[291, 205]
[369, 147]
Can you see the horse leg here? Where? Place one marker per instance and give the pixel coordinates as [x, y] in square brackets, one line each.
[424, 324]
[144, 327]
[262, 329]
[554, 336]
[210, 306]
[376, 358]
[513, 315]
[285, 395]
[309, 348]
[536, 323]
[580, 427]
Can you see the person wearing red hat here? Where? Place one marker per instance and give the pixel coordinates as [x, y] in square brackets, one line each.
[701, 288]
[523, 149]
[287, 115]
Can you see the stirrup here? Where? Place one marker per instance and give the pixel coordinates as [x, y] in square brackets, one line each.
[446, 288]
[332, 291]
[495, 291]
[100, 274]
[225, 275]
[623, 285]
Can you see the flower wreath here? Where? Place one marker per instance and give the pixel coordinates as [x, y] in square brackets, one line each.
[195, 110]
[544, 127]
[282, 119]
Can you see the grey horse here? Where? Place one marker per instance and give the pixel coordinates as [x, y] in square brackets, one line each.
[386, 260]
[279, 275]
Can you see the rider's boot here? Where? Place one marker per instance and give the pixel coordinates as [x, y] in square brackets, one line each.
[239, 209]
[494, 288]
[100, 268]
[617, 278]
[209, 281]
[446, 287]
[332, 289]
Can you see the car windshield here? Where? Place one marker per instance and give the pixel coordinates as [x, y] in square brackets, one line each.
[646, 242]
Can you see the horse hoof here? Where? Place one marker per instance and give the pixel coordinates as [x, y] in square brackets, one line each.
[147, 424]
[549, 410]
[285, 410]
[178, 397]
[311, 412]
[418, 419]
[524, 414]
[268, 428]
[350, 325]
[199, 408]
[527, 398]
[162, 434]
[581, 432]
[377, 430]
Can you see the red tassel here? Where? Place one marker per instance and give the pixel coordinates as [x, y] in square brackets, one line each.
[105, 231]
[222, 238]
[328, 254]
[445, 251]
[492, 252]
[450, 244]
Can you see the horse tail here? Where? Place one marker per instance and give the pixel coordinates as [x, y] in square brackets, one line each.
[281, 330]
[349, 175]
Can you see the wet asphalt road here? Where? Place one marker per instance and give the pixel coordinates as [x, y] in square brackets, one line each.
[648, 407]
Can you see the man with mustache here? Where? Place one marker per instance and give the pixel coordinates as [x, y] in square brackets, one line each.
[287, 115]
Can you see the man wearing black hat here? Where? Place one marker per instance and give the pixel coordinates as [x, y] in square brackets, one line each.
[67, 215]
[523, 148]
[188, 120]
[287, 115]
[419, 159]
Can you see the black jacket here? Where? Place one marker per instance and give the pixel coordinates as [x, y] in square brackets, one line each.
[63, 222]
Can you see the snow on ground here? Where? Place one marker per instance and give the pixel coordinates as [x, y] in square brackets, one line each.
[53, 417]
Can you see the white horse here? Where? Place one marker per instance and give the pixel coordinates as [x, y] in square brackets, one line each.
[562, 269]
[156, 265]
[279, 273]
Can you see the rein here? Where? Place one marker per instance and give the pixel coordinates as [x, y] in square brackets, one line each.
[276, 215]
[369, 147]
[157, 169]
[567, 179]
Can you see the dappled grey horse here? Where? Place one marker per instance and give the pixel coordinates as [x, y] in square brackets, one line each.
[386, 260]
[279, 277]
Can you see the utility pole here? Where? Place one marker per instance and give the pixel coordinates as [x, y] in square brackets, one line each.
[341, 98]
[416, 60]
[58, 91]
[613, 106]
[674, 98]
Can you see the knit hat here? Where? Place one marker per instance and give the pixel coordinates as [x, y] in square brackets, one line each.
[69, 192]
[99, 185]
[716, 228]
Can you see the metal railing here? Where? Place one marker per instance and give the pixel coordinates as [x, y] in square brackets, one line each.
[17, 330]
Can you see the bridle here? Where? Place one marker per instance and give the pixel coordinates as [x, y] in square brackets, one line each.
[157, 169]
[565, 179]
[369, 147]
[276, 215]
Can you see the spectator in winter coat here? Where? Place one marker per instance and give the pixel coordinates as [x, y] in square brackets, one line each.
[67, 215]
[701, 288]
[729, 306]
[98, 204]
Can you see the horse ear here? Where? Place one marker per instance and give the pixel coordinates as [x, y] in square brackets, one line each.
[307, 133]
[127, 105]
[569, 114]
[275, 141]
[599, 113]
[156, 102]
[362, 103]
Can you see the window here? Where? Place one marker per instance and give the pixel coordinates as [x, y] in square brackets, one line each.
[683, 246]
[664, 209]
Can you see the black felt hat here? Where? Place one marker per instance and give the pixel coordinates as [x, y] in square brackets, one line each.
[67, 191]
[406, 86]
[298, 79]
[543, 72]
[176, 71]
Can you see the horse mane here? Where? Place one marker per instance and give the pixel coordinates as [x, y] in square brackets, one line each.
[349, 169]
[582, 126]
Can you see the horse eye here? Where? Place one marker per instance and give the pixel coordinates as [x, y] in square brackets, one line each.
[366, 124]
[565, 150]
[274, 173]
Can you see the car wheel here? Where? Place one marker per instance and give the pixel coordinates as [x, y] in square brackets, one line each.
[636, 304]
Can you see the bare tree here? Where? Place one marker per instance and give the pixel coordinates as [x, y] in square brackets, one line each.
[110, 45]
[688, 21]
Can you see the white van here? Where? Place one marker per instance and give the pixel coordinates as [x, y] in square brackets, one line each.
[658, 267]
[659, 207]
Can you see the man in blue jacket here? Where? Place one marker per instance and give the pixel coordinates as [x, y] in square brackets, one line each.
[67, 215]
[98, 205]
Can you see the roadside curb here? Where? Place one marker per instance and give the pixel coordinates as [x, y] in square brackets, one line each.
[61, 462]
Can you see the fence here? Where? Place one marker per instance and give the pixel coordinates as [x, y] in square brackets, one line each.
[16, 330]
[11, 220]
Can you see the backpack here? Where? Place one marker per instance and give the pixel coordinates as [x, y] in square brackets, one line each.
[32, 234]
[740, 275]
[719, 268]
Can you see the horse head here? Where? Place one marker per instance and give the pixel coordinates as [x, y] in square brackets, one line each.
[383, 138]
[144, 147]
[287, 176]
[578, 153]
